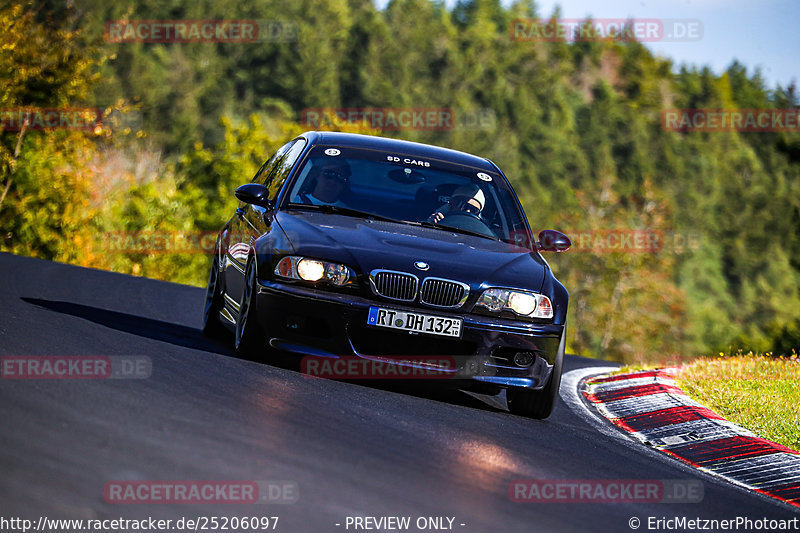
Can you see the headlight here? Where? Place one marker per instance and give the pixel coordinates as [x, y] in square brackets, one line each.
[307, 269]
[528, 304]
[310, 269]
[337, 274]
[522, 303]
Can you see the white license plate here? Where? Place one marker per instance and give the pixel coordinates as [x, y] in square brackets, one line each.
[416, 322]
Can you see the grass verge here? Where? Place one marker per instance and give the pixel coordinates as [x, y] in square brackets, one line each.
[760, 393]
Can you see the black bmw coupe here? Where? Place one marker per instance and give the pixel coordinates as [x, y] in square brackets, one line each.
[353, 246]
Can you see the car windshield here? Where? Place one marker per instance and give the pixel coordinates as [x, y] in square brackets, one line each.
[409, 189]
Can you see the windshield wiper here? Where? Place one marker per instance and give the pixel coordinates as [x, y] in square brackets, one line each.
[426, 224]
[346, 211]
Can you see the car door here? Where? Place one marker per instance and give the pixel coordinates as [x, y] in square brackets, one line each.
[252, 221]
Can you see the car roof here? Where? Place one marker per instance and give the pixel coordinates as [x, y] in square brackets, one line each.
[373, 142]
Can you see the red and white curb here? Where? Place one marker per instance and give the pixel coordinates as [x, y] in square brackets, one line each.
[651, 408]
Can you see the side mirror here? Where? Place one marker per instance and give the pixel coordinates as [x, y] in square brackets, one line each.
[551, 240]
[254, 193]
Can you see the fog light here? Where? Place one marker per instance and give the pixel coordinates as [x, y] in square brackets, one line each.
[293, 322]
[523, 359]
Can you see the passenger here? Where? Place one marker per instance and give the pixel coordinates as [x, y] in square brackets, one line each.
[329, 182]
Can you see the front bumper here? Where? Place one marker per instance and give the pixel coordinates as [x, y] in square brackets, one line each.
[313, 322]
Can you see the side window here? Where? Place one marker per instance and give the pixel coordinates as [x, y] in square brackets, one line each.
[277, 177]
[267, 168]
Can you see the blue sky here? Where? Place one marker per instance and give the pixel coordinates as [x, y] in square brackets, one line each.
[759, 34]
[763, 34]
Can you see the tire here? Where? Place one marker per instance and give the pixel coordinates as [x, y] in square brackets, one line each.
[212, 327]
[249, 340]
[539, 403]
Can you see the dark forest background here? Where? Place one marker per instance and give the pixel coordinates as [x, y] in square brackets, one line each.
[574, 125]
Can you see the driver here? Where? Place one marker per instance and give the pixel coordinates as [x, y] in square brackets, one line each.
[467, 199]
[330, 181]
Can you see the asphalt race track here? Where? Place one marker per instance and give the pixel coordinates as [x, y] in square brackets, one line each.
[353, 449]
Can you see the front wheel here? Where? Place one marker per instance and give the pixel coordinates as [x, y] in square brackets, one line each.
[249, 340]
[539, 403]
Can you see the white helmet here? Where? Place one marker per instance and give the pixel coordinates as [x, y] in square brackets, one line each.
[470, 192]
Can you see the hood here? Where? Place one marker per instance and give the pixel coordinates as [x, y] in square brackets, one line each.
[369, 244]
